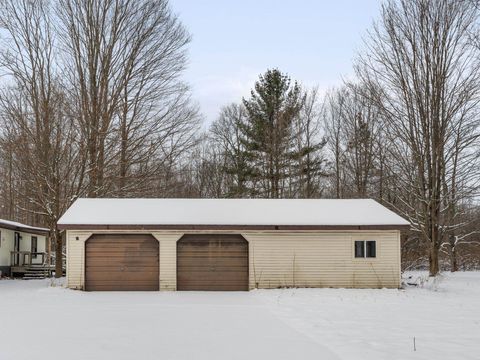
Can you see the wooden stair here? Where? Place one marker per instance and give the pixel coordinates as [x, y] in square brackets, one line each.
[37, 272]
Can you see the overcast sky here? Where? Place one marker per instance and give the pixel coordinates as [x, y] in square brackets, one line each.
[235, 41]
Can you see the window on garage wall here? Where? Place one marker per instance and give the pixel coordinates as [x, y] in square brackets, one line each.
[365, 249]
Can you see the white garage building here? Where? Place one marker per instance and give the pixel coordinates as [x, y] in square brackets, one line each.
[231, 244]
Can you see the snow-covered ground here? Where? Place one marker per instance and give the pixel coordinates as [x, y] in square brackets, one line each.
[41, 321]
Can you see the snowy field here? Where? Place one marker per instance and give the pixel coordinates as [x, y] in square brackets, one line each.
[49, 322]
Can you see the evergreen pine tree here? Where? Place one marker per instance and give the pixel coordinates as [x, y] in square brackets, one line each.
[267, 132]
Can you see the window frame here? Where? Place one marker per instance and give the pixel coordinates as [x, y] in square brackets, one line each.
[365, 253]
[362, 248]
[374, 248]
[34, 239]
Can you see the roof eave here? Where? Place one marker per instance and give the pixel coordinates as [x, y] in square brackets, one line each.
[230, 227]
[36, 231]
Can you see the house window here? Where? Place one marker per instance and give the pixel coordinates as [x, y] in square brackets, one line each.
[365, 249]
[34, 247]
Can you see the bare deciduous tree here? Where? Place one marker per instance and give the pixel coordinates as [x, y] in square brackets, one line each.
[126, 58]
[424, 75]
[92, 103]
[309, 166]
[225, 132]
[40, 136]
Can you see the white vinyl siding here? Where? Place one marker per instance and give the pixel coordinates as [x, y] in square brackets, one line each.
[279, 259]
[322, 260]
[7, 243]
[76, 258]
[168, 260]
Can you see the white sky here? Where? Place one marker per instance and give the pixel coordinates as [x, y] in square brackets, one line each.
[235, 41]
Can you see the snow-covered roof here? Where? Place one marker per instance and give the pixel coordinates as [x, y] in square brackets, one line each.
[228, 212]
[13, 225]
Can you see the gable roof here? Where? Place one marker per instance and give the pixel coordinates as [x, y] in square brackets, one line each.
[230, 213]
[16, 226]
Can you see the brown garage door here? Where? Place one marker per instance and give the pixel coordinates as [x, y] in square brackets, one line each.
[121, 262]
[212, 262]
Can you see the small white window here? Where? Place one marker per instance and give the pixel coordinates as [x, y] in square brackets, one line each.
[365, 248]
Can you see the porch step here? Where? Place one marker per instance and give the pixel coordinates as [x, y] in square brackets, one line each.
[36, 272]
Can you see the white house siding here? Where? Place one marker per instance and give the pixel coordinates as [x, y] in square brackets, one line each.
[278, 259]
[26, 244]
[322, 260]
[7, 245]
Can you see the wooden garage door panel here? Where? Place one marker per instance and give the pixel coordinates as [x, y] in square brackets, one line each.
[122, 283]
[123, 276]
[121, 287]
[210, 284]
[122, 262]
[142, 261]
[212, 262]
[98, 252]
[214, 270]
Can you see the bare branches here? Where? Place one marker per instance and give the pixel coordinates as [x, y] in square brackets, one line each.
[93, 105]
[423, 73]
[128, 56]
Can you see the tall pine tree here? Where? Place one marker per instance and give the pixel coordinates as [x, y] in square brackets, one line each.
[268, 133]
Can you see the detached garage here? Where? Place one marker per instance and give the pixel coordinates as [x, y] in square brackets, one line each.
[230, 244]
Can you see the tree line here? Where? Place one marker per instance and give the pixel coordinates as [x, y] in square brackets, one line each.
[93, 104]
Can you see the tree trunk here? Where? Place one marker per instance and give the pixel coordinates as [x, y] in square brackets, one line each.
[433, 259]
[93, 167]
[337, 170]
[58, 254]
[48, 247]
[453, 259]
[123, 151]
